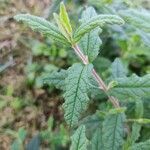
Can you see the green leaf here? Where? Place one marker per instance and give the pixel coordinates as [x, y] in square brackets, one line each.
[43, 26]
[96, 141]
[90, 42]
[76, 98]
[79, 140]
[61, 27]
[97, 21]
[113, 131]
[64, 18]
[91, 122]
[117, 69]
[137, 18]
[130, 88]
[139, 109]
[56, 79]
[135, 134]
[133, 137]
[136, 128]
[141, 146]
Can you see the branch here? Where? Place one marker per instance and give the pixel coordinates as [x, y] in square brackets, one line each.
[99, 80]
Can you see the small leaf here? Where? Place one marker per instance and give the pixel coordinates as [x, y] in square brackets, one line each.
[90, 42]
[61, 27]
[43, 26]
[94, 22]
[117, 69]
[56, 79]
[79, 140]
[64, 18]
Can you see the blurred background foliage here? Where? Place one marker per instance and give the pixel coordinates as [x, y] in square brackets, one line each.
[30, 112]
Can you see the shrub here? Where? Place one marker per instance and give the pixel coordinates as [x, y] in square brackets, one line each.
[109, 127]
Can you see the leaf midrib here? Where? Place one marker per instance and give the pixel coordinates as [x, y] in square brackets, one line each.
[76, 96]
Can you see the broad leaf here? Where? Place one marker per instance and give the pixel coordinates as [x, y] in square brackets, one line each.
[117, 69]
[90, 42]
[130, 88]
[79, 140]
[97, 21]
[113, 131]
[43, 26]
[56, 79]
[141, 146]
[76, 98]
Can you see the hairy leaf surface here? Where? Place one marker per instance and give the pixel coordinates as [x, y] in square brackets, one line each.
[76, 98]
[79, 140]
[96, 141]
[43, 26]
[56, 79]
[97, 21]
[64, 18]
[141, 146]
[117, 69]
[130, 88]
[113, 131]
[90, 42]
[91, 123]
[138, 18]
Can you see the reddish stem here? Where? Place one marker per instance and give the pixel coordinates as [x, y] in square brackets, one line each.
[99, 80]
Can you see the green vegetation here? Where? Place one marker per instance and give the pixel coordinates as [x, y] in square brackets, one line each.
[87, 85]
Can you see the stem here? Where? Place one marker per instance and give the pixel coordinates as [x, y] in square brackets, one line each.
[99, 80]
